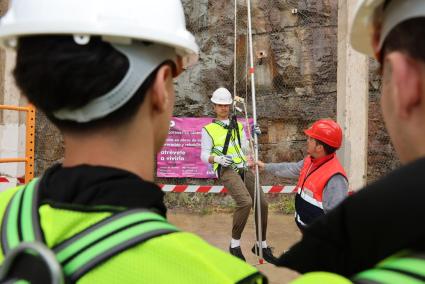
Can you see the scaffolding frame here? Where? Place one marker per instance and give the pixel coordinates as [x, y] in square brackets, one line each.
[29, 140]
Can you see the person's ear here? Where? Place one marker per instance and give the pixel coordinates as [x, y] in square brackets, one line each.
[406, 74]
[320, 147]
[161, 88]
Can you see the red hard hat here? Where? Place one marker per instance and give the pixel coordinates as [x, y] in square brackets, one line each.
[326, 131]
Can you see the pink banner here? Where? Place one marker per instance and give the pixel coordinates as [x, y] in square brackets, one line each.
[180, 156]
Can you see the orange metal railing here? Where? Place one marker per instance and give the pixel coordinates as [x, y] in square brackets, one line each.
[29, 141]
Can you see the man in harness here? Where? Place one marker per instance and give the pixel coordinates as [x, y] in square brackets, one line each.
[322, 182]
[102, 72]
[224, 145]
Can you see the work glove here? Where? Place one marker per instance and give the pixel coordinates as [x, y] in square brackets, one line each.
[255, 130]
[225, 161]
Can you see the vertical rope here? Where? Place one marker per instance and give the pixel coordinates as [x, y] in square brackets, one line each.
[235, 50]
[254, 114]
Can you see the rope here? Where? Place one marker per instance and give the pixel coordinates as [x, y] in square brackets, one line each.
[235, 51]
[251, 143]
[254, 114]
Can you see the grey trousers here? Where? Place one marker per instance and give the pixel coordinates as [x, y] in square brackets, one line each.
[243, 194]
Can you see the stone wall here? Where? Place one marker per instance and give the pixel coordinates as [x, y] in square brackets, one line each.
[49, 147]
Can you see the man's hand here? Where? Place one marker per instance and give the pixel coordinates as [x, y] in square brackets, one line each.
[225, 161]
[251, 164]
[261, 165]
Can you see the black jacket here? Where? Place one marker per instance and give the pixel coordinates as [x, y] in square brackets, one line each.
[88, 187]
[380, 220]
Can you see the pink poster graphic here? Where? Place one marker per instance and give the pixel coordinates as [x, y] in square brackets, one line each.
[180, 156]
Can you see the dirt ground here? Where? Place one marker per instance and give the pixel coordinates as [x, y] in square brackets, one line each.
[215, 228]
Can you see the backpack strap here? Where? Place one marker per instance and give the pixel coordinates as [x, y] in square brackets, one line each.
[86, 250]
[21, 221]
[407, 269]
[94, 245]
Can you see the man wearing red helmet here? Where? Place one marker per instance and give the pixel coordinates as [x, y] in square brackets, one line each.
[322, 182]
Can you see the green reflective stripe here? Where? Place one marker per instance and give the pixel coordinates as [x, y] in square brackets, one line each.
[12, 222]
[321, 277]
[83, 258]
[26, 213]
[217, 152]
[21, 282]
[413, 265]
[387, 277]
[221, 123]
[108, 228]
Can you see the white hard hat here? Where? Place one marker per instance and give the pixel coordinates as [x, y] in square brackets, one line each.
[148, 33]
[388, 14]
[159, 21]
[222, 96]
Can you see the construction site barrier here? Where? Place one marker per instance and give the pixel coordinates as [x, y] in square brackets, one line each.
[29, 140]
[221, 189]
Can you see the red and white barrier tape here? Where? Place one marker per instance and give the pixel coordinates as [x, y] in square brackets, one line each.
[7, 182]
[19, 180]
[220, 188]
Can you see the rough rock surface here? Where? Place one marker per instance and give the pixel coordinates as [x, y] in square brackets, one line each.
[48, 146]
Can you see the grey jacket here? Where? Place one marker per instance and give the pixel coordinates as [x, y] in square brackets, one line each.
[335, 191]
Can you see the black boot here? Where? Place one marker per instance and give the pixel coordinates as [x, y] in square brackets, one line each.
[237, 252]
[267, 254]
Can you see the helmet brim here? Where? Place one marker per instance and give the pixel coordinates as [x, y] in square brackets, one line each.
[221, 103]
[361, 29]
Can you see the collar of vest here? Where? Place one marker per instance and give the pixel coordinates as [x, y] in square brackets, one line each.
[222, 123]
[320, 161]
[92, 186]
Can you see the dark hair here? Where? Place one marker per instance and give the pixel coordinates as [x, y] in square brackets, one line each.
[408, 37]
[328, 149]
[386, 3]
[54, 73]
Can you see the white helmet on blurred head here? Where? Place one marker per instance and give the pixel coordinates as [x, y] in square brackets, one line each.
[375, 19]
[160, 21]
[148, 33]
[222, 96]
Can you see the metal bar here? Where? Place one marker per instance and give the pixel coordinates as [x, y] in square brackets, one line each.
[254, 114]
[12, 160]
[30, 142]
[17, 108]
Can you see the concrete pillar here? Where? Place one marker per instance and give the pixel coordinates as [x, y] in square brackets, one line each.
[352, 99]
